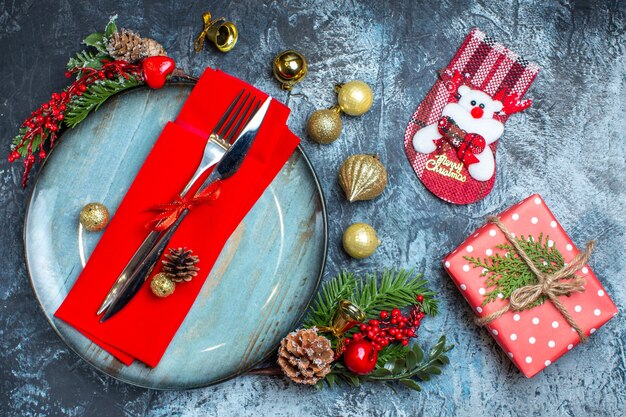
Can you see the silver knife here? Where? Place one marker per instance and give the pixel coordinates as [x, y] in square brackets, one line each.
[213, 151]
[228, 165]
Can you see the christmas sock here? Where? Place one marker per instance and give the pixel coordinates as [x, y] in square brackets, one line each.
[452, 137]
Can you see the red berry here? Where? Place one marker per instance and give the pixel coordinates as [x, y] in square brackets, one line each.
[357, 336]
[371, 335]
[394, 320]
[82, 87]
[363, 327]
[42, 154]
[347, 341]
[419, 298]
[410, 332]
[14, 156]
[399, 336]
[60, 117]
[68, 74]
[45, 106]
[384, 315]
[63, 95]
[374, 323]
[405, 342]
[62, 107]
[39, 119]
[360, 357]
[395, 312]
[420, 316]
[377, 347]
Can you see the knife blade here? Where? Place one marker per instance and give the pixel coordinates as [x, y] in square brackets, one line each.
[228, 166]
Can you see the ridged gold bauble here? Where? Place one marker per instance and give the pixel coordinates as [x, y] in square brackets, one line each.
[94, 217]
[360, 240]
[162, 286]
[290, 67]
[355, 97]
[362, 177]
[324, 126]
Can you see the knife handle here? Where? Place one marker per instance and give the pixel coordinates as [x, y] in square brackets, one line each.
[149, 261]
[131, 266]
[139, 275]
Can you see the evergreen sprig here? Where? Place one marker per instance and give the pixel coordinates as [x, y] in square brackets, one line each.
[397, 289]
[403, 364]
[98, 41]
[95, 95]
[394, 289]
[507, 273]
[332, 292]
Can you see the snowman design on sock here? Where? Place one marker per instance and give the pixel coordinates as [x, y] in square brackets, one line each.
[469, 126]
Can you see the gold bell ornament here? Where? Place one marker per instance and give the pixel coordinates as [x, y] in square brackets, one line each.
[354, 98]
[290, 67]
[94, 217]
[220, 32]
[346, 316]
[360, 240]
[362, 177]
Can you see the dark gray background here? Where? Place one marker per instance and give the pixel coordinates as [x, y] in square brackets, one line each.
[569, 147]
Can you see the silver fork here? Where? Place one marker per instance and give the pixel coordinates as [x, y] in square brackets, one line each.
[226, 129]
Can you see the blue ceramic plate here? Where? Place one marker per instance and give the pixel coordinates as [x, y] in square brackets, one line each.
[259, 287]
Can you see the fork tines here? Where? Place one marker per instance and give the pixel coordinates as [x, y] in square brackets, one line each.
[236, 115]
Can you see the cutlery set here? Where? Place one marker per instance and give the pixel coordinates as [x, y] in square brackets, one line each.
[226, 149]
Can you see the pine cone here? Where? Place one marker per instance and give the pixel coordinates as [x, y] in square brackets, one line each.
[129, 46]
[150, 47]
[179, 264]
[305, 357]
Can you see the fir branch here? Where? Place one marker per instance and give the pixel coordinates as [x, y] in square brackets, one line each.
[507, 273]
[397, 289]
[96, 94]
[333, 291]
[87, 59]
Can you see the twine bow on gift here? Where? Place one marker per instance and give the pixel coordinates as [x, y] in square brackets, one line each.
[467, 145]
[170, 212]
[552, 286]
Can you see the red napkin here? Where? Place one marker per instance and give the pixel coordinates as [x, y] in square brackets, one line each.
[140, 330]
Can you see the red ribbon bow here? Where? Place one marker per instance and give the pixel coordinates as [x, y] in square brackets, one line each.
[467, 144]
[170, 212]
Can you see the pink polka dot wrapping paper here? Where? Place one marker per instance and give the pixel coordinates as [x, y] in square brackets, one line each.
[533, 338]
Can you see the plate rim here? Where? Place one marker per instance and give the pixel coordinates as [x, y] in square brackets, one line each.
[318, 280]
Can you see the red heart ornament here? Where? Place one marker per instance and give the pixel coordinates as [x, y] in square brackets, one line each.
[156, 69]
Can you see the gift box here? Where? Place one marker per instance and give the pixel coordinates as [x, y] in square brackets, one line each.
[533, 327]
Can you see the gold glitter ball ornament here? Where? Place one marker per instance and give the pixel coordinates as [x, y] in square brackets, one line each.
[162, 286]
[324, 126]
[362, 177]
[360, 240]
[355, 97]
[94, 217]
[290, 67]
